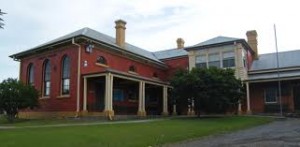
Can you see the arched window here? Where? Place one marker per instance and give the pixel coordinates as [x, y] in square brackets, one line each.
[47, 77]
[132, 68]
[65, 78]
[101, 60]
[30, 74]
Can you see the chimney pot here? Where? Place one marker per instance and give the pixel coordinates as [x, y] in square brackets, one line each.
[252, 41]
[120, 32]
[180, 43]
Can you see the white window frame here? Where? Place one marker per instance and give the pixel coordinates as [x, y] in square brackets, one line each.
[202, 55]
[228, 58]
[208, 60]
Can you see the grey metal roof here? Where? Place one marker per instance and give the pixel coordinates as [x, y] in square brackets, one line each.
[274, 75]
[90, 33]
[269, 61]
[217, 40]
[170, 53]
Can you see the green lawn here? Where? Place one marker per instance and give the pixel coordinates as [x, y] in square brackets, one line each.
[131, 135]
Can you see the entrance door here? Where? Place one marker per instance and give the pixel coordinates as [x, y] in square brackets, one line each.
[99, 96]
[296, 93]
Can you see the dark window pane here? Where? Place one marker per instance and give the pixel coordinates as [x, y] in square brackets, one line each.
[201, 65]
[271, 95]
[47, 70]
[101, 60]
[66, 86]
[30, 74]
[66, 75]
[66, 67]
[132, 68]
[229, 62]
[214, 64]
[47, 77]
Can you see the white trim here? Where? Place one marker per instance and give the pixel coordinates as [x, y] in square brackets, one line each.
[272, 79]
[248, 97]
[165, 99]
[273, 70]
[94, 75]
[102, 65]
[85, 94]
[78, 75]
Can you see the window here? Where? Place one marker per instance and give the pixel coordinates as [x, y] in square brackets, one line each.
[118, 95]
[201, 61]
[271, 95]
[47, 76]
[228, 59]
[132, 68]
[101, 60]
[30, 74]
[65, 81]
[214, 60]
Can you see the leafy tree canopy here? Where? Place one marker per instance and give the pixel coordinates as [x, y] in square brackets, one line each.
[14, 95]
[214, 90]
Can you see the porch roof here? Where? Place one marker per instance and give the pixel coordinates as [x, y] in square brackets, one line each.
[273, 76]
[129, 76]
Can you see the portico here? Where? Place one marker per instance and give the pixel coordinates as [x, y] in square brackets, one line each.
[115, 93]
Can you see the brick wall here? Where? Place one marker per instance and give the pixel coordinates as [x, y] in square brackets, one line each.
[54, 102]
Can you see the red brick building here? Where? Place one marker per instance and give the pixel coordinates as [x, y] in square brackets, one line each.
[90, 73]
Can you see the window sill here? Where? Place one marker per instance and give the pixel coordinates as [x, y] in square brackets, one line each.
[132, 101]
[132, 72]
[44, 97]
[155, 78]
[270, 103]
[102, 65]
[63, 96]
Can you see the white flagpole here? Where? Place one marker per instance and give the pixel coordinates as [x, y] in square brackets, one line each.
[278, 74]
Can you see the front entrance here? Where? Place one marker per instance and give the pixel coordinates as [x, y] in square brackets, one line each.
[154, 99]
[296, 95]
[120, 95]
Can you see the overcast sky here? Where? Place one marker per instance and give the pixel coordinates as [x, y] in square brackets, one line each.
[151, 24]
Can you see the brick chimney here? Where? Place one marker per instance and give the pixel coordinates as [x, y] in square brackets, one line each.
[180, 43]
[120, 32]
[252, 41]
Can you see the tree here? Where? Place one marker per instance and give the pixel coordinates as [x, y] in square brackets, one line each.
[213, 90]
[14, 95]
[1, 24]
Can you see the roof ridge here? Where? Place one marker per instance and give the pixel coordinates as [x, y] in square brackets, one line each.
[165, 50]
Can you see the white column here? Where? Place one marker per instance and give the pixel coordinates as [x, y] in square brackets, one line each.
[174, 109]
[106, 100]
[111, 92]
[165, 100]
[141, 110]
[240, 108]
[85, 94]
[108, 108]
[248, 98]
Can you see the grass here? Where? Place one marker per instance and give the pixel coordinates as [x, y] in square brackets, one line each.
[131, 134]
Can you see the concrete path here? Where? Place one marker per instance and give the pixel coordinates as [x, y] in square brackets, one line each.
[281, 133]
[81, 124]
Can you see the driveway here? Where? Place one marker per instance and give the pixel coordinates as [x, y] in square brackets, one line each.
[280, 133]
